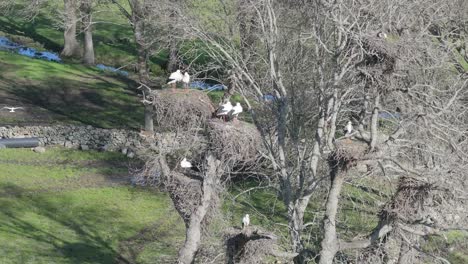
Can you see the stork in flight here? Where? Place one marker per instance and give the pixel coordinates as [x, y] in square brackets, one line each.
[12, 109]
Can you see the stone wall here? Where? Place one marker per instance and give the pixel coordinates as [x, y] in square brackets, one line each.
[82, 137]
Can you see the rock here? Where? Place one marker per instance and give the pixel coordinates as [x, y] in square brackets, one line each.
[84, 147]
[68, 144]
[104, 148]
[39, 149]
[124, 151]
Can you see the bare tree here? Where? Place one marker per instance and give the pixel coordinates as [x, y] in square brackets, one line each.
[335, 62]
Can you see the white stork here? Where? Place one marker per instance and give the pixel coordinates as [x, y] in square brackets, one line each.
[349, 128]
[245, 221]
[382, 35]
[224, 110]
[174, 78]
[186, 80]
[12, 109]
[236, 110]
[185, 163]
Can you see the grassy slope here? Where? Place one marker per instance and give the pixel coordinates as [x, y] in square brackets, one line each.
[69, 207]
[54, 92]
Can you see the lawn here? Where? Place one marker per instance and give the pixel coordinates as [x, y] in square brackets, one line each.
[67, 206]
[66, 93]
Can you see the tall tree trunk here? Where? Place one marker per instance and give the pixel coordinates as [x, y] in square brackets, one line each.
[149, 123]
[88, 55]
[296, 225]
[71, 47]
[329, 244]
[193, 233]
[142, 65]
[172, 63]
[137, 17]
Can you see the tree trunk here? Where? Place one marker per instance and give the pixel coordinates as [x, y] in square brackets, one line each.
[193, 233]
[137, 18]
[296, 225]
[329, 244]
[149, 124]
[71, 47]
[172, 63]
[88, 55]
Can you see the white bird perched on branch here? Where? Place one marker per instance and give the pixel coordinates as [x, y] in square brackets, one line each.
[185, 164]
[174, 78]
[349, 128]
[224, 110]
[382, 35]
[245, 221]
[186, 80]
[12, 109]
[236, 110]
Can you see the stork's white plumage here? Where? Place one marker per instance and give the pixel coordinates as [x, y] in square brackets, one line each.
[186, 79]
[185, 164]
[246, 221]
[237, 110]
[224, 109]
[175, 77]
[12, 109]
[349, 128]
[382, 35]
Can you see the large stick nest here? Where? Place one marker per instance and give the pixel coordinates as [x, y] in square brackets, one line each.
[181, 109]
[249, 246]
[408, 201]
[234, 141]
[348, 152]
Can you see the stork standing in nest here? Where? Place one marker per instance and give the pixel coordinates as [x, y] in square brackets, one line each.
[185, 164]
[174, 78]
[236, 110]
[224, 110]
[245, 221]
[186, 80]
[348, 129]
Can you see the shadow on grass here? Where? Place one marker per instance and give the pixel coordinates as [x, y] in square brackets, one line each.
[29, 30]
[86, 246]
[99, 103]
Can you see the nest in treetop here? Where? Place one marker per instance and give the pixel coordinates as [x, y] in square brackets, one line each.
[408, 200]
[235, 141]
[348, 152]
[249, 245]
[181, 109]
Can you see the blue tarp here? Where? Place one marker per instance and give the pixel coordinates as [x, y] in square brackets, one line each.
[205, 86]
[103, 67]
[6, 44]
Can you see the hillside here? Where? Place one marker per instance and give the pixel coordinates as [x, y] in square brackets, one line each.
[360, 112]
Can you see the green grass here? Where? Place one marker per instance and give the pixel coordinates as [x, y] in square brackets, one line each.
[68, 93]
[46, 218]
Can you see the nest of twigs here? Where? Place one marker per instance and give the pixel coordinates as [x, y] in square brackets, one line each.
[235, 141]
[408, 201]
[249, 246]
[181, 109]
[185, 193]
[347, 153]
